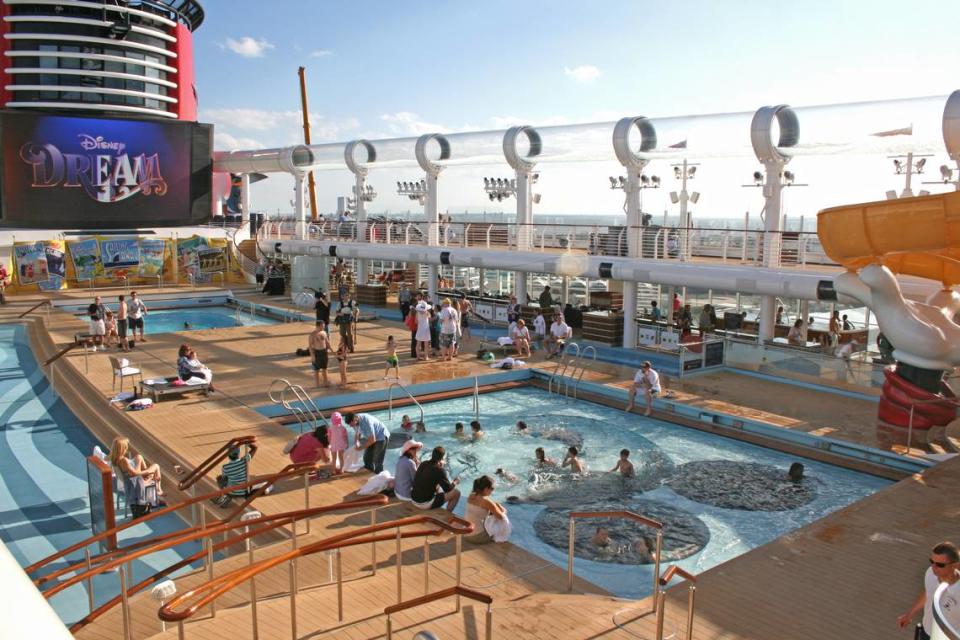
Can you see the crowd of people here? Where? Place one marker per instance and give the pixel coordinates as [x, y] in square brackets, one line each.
[108, 329]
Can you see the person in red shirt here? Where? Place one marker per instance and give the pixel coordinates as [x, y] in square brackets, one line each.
[677, 303]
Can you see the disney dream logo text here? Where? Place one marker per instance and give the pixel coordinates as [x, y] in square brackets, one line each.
[105, 177]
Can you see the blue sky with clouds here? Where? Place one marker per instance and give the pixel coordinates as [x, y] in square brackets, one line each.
[386, 69]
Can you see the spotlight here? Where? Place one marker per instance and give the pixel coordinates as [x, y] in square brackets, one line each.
[655, 180]
[644, 180]
[536, 177]
[897, 166]
[674, 198]
[788, 177]
[499, 197]
[492, 196]
[677, 173]
[945, 172]
[757, 178]
[691, 171]
[694, 197]
[613, 181]
[920, 164]
[399, 186]
[536, 198]
[622, 180]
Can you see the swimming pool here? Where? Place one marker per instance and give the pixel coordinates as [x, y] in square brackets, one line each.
[43, 482]
[215, 317]
[717, 497]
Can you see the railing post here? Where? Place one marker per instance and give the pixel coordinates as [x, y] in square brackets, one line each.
[661, 601]
[399, 567]
[389, 628]
[459, 547]
[339, 586]
[86, 553]
[293, 588]
[489, 633]
[373, 545]
[910, 428]
[252, 515]
[180, 632]
[125, 604]
[306, 503]
[571, 530]
[656, 568]
[690, 601]
[426, 565]
[208, 545]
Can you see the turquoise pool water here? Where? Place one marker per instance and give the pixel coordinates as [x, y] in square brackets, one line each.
[43, 483]
[718, 497]
[193, 319]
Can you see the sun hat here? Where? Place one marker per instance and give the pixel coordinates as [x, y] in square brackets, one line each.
[410, 444]
[423, 306]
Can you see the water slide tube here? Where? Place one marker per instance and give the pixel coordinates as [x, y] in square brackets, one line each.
[908, 236]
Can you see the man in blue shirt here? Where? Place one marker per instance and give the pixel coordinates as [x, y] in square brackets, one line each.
[372, 437]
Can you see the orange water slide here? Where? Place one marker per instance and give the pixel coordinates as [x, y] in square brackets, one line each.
[911, 236]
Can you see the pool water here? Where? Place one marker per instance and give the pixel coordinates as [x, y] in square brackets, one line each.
[717, 497]
[43, 483]
[193, 319]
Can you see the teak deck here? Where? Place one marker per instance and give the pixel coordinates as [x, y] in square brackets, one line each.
[847, 575]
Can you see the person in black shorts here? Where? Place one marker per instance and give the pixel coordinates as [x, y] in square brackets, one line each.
[432, 488]
[319, 345]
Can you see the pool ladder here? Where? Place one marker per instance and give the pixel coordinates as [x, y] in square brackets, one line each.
[409, 395]
[569, 372]
[303, 408]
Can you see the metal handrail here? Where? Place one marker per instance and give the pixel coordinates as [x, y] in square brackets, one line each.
[406, 391]
[913, 405]
[211, 590]
[625, 515]
[287, 472]
[661, 598]
[439, 595]
[562, 365]
[576, 383]
[213, 460]
[121, 561]
[34, 308]
[305, 411]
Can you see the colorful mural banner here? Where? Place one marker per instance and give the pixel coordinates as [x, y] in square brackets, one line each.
[187, 251]
[119, 253]
[56, 266]
[85, 255]
[212, 260]
[31, 260]
[152, 256]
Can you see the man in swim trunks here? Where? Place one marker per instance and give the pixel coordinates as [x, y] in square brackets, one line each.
[648, 380]
[319, 345]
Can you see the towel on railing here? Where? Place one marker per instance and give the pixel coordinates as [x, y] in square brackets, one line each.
[498, 529]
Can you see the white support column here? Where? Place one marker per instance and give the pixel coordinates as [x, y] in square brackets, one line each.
[524, 196]
[298, 208]
[804, 315]
[361, 214]
[430, 210]
[245, 197]
[634, 221]
[772, 242]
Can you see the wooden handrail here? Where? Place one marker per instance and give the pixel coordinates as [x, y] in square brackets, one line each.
[222, 584]
[33, 308]
[213, 460]
[629, 515]
[673, 571]
[288, 471]
[439, 595]
[197, 533]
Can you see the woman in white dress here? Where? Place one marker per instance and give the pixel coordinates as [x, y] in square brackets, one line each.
[423, 331]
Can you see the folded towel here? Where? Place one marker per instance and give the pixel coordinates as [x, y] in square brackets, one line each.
[498, 529]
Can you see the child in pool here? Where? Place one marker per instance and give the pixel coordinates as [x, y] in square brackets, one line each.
[476, 429]
[406, 423]
[342, 362]
[392, 361]
[338, 441]
[458, 431]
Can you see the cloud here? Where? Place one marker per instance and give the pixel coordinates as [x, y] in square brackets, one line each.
[584, 73]
[223, 141]
[247, 46]
[273, 127]
[405, 123]
[321, 53]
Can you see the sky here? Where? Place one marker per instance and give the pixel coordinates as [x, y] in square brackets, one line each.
[379, 69]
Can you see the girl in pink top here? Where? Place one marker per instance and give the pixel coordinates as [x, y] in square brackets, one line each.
[338, 440]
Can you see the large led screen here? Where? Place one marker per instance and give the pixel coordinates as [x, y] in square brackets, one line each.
[95, 173]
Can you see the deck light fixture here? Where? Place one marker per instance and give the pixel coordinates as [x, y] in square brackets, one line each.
[946, 173]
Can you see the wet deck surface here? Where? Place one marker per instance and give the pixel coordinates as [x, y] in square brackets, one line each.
[847, 575]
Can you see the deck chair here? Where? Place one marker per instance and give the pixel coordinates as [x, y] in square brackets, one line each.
[122, 369]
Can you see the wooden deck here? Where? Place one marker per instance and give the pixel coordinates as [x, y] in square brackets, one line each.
[847, 575]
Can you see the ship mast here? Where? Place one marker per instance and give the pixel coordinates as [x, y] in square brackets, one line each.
[306, 139]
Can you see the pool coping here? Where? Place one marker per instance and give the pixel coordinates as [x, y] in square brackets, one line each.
[846, 454]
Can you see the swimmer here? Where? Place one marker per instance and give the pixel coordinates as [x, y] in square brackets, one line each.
[476, 429]
[643, 549]
[571, 460]
[542, 459]
[601, 538]
[522, 428]
[624, 466]
[406, 423]
[458, 431]
[796, 473]
[186, 325]
[507, 476]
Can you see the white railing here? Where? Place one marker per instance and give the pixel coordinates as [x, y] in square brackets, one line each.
[304, 409]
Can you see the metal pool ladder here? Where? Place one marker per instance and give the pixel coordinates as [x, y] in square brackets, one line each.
[406, 391]
[304, 409]
[579, 367]
[562, 366]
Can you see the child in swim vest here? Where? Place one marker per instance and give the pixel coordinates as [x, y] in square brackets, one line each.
[338, 441]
